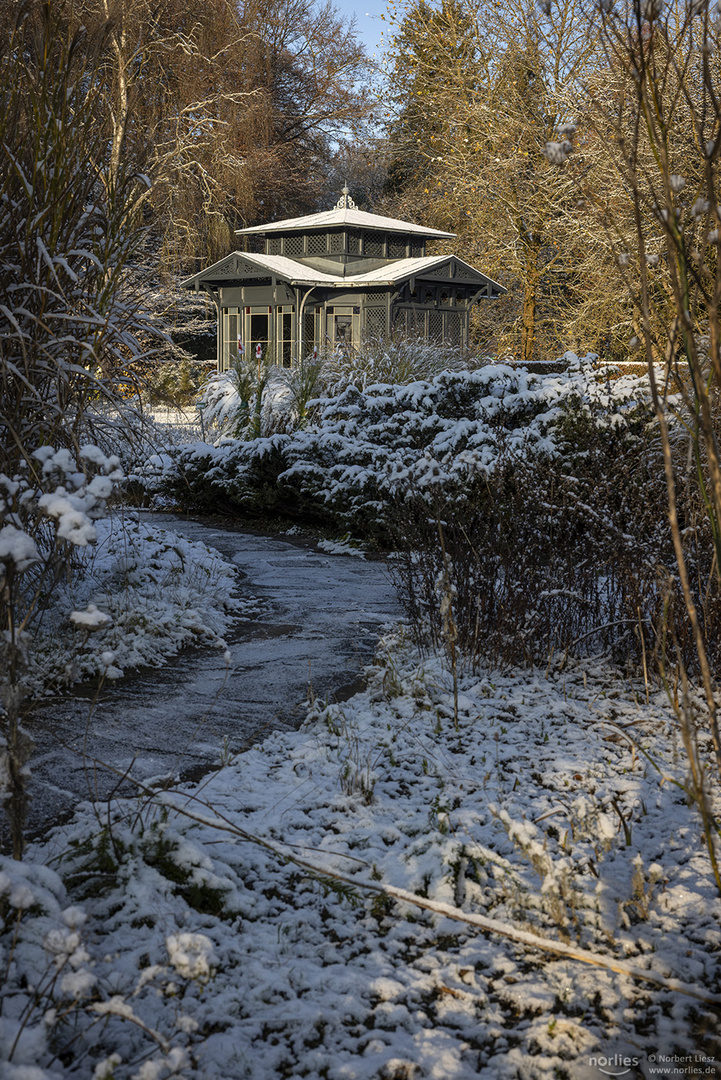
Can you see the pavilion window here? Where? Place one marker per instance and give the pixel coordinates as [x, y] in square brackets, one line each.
[257, 331]
[343, 327]
[285, 336]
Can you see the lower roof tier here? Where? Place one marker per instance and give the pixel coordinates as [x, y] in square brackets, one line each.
[241, 266]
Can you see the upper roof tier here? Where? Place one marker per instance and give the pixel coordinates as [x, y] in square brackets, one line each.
[345, 212]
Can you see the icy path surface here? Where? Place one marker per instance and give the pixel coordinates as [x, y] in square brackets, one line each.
[323, 617]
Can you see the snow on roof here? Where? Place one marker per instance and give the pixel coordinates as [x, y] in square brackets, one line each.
[298, 273]
[345, 215]
[302, 274]
[405, 268]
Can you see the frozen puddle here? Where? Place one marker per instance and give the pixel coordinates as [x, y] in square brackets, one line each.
[324, 614]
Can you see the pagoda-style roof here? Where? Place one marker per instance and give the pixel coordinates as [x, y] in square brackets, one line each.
[240, 264]
[345, 213]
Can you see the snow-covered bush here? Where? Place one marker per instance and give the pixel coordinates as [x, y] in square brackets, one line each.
[66, 1010]
[570, 550]
[367, 448]
[251, 399]
[544, 552]
[47, 512]
[138, 596]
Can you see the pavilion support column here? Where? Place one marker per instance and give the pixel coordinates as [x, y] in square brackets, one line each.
[297, 353]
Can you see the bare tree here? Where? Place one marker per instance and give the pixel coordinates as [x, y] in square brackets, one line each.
[481, 91]
[231, 108]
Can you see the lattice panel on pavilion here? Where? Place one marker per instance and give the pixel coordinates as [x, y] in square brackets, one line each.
[316, 244]
[308, 332]
[293, 246]
[400, 321]
[373, 245]
[375, 322]
[416, 322]
[453, 327]
[435, 325]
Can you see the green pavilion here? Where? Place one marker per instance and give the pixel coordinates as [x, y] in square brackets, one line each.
[328, 280]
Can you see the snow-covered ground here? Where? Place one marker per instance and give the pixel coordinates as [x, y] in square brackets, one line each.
[249, 927]
[399, 890]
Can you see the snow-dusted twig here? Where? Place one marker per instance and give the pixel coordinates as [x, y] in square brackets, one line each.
[481, 922]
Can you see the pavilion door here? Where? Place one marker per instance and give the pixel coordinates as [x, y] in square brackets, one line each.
[344, 327]
[257, 332]
[285, 337]
[232, 337]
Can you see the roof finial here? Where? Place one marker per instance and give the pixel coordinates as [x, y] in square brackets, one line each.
[345, 202]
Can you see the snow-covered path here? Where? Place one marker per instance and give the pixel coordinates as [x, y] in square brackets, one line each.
[323, 615]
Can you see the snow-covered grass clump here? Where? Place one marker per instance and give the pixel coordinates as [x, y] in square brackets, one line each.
[345, 545]
[368, 447]
[136, 597]
[255, 396]
[384, 895]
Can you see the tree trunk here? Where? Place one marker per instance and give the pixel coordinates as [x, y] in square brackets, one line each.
[120, 114]
[528, 325]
